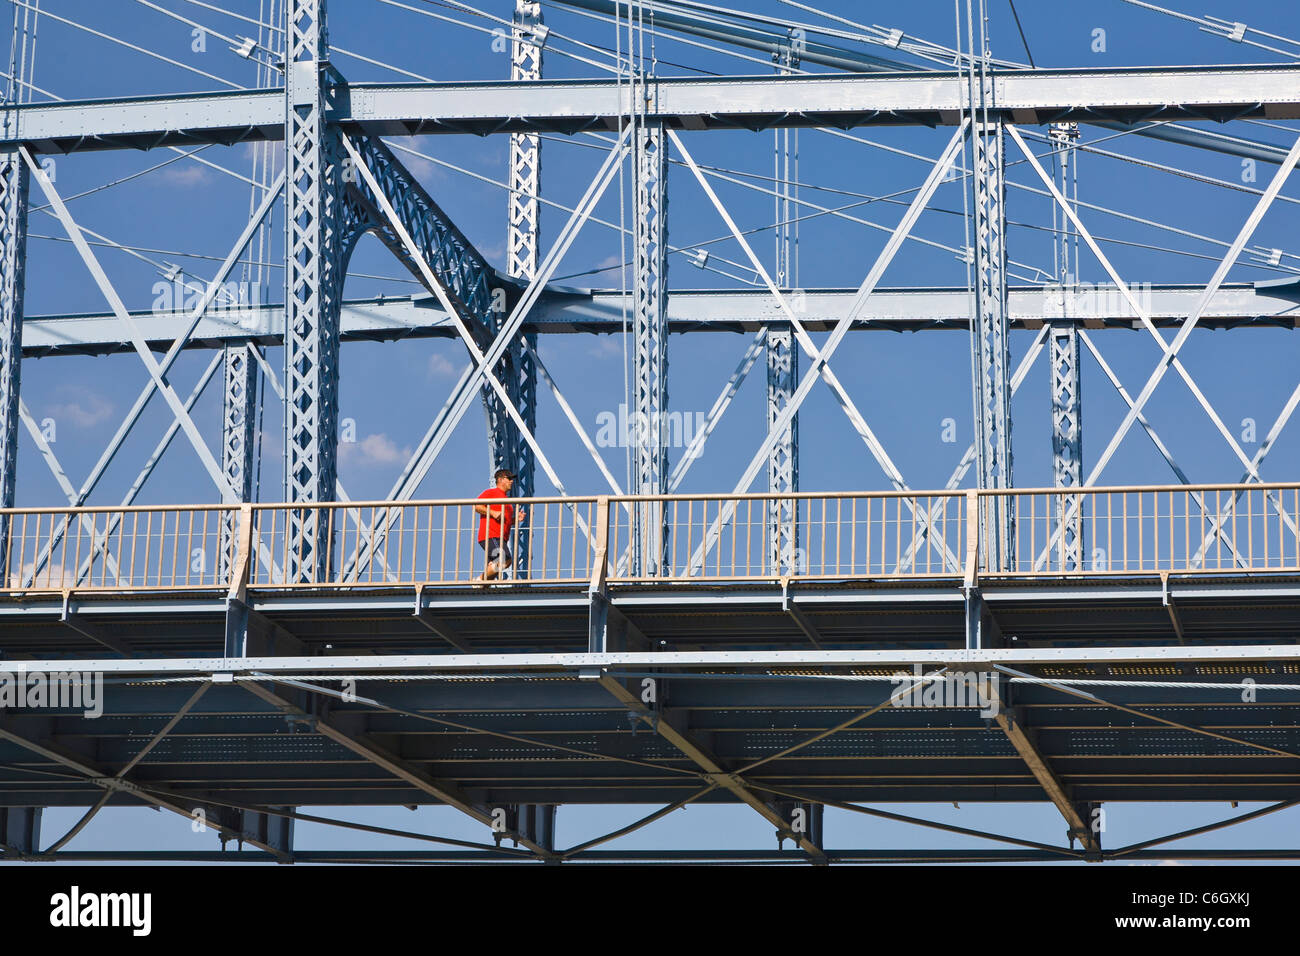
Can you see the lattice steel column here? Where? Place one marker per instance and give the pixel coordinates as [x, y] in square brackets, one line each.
[1067, 440]
[782, 356]
[783, 464]
[989, 352]
[14, 185]
[525, 148]
[527, 37]
[1067, 396]
[650, 331]
[313, 260]
[238, 438]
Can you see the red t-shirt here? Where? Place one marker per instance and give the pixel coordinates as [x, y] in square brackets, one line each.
[492, 528]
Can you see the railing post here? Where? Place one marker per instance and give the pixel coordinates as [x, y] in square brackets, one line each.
[237, 592]
[597, 600]
[972, 537]
[600, 563]
[973, 600]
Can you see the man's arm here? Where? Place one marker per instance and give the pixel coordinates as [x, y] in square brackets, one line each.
[488, 511]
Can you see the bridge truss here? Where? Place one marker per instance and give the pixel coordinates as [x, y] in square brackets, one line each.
[651, 646]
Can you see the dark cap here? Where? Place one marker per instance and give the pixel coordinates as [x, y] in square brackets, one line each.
[504, 473]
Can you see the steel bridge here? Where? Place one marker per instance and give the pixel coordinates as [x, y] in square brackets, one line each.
[786, 650]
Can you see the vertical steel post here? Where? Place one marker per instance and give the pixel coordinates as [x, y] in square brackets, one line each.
[20, 830]
[527, 37]
[782, 355]
[238, 438]
[240, 402]
[650, 332]
[783, 463]
[1067, 440]
[990, 359]
[989, 346]
[313, 284]
[1063, 343]
[507, 449]
[14, 185]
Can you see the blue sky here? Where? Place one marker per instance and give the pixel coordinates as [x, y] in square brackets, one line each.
[905, 385]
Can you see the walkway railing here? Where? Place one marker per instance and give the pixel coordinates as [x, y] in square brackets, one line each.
[884, 536]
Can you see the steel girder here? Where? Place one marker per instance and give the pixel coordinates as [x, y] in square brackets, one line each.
[775, 38]
[14, 186]
[642, 857]
[1279, 659]
[1129, 95]
[466, 277]
[524, 224]
[1010, 721]
[367, 748]
[650, 335]
[114, 785]
[680, 737]
[990, 358]
[565, 311]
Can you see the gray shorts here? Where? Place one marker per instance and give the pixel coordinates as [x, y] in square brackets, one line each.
[496, 548]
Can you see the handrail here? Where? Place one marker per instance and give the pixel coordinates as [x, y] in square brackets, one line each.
[1248, 528]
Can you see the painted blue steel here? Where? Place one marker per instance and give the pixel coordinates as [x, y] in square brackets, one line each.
[273, 757]
[14, 186]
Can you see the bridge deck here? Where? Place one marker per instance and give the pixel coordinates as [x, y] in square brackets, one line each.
[383, 675]
[511, 618]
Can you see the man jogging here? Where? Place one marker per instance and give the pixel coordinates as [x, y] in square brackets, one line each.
[494, 524]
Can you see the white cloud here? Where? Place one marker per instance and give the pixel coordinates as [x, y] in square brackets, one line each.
[607, 346]
[51, 576]
[441, 367]
[421, 168]
[270, 440]
[82, 408]
[186, 175]
[373, 450]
